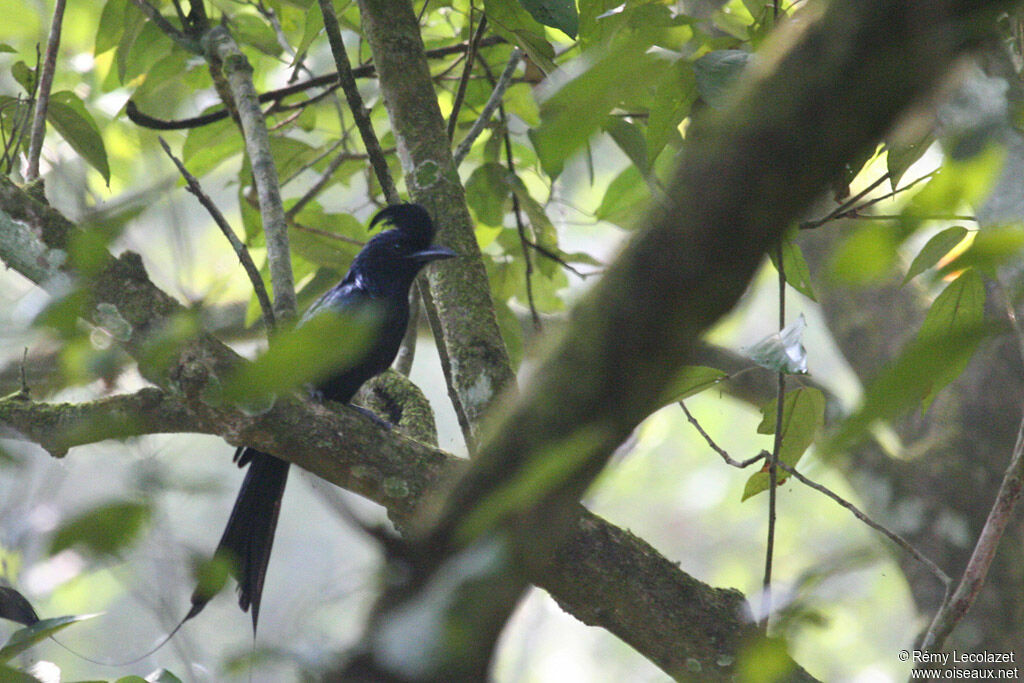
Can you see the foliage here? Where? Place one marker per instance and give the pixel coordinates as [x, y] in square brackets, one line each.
[595, 124]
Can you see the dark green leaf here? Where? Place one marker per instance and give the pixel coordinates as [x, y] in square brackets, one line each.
[560, 14]
[717, 72]
[326, 239]
[15, 607]
[487, 190]
[25, 76]
[934, 250]
[512, 22]
[68, 115]
[691, 380]
[25, 638]
[104, 530]
[4, 47]
[10, 675]
[803, 414]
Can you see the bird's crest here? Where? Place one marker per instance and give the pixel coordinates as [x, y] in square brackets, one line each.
[411, 219]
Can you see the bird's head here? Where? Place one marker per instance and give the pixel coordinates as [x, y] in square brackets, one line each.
[393, 258]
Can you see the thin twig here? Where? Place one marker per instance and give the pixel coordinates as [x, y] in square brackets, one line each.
[243, 254]
[222, 50]
[355, 103]
[320, 184]
[845, 206]
[488, 111]
[942, 576]
[327, 81]
[35, 145]
[902, 543]
[165, 26]
[460, 92]
[773, 459]
[955, 606]
[729, 460]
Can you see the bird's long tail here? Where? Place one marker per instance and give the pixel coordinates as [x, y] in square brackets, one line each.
[249, 535]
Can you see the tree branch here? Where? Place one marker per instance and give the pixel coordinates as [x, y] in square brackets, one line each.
[221, 50]
[35, 145]
[396, 475]
[458, 300]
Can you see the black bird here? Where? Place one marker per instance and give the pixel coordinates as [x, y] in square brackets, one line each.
[379, 279]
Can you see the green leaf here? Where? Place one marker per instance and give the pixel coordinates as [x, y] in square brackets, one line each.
[578, 110]
[626, 195]
[960, 306]
[207, 147]
[25, 638]
[803, 414]
[314, 241]
[934, 250]
[111, 26]
[4, 47]
[25, 76]
[513, 23]
[10, 675]
[717, 72]
[325, 344]
[691, 380]
[487, 190]
[560, 14]
[798, 273]
[252, 30]
[866, 255]
[782, 351]
[630, 139]
[67, 114]
[104, 530]
[908, 379]
[901, 155]
[991, 248]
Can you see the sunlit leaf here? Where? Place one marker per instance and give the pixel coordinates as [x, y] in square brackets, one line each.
[934, 250]
[803, 415]
[69, 117]
[25, 638]
[990, 249]
[103, 530]
[868, 254]
[111, 26]
[901, 155]
[783, 351]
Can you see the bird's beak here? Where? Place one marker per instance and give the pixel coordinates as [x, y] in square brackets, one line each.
[434, 253]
